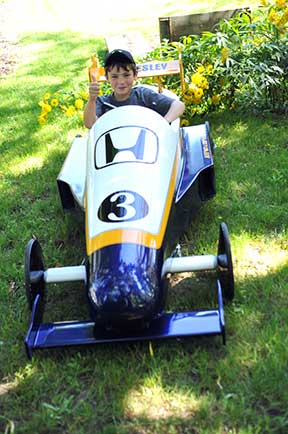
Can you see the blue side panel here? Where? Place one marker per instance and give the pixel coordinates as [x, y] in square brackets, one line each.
[197, 156]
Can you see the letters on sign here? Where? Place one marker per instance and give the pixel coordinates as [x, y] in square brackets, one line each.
[158, 68]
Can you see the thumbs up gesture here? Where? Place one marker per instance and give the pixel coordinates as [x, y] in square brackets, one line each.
[94, 88]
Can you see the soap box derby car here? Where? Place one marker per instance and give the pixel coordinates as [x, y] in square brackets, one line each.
[138, 181]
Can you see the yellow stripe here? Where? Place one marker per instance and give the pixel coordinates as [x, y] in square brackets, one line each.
[135, 236]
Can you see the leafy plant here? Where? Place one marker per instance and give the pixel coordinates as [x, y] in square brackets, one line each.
[243, 63]
[71, 103]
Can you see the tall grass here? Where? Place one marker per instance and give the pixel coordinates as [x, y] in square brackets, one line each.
[182, 386]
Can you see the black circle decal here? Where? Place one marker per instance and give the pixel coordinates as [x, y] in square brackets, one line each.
[123, 206]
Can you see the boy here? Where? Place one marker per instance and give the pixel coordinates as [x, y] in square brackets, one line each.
[120, 71]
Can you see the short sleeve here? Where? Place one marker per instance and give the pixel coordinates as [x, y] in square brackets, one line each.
[99, 107]
[156, 101]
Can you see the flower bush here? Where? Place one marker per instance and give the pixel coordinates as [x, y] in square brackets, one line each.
[71, 104]
[242, 65]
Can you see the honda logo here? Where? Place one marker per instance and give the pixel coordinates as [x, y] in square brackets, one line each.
[126, 144]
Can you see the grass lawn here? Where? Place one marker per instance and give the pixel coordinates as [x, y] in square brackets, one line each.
[194, 386]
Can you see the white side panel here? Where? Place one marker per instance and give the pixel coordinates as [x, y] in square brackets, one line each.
[73, 171]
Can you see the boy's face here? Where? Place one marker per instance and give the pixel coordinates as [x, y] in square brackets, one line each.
[121, 81]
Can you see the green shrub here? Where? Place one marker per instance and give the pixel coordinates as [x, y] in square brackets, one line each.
[241, 65]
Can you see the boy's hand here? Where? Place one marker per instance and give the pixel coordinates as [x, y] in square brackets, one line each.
[94, 88]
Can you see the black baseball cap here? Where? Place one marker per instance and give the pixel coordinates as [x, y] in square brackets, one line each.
[118, 55]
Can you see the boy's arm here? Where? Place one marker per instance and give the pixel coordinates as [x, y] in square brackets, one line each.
[176, 109]
[90, 113]
[90, 109]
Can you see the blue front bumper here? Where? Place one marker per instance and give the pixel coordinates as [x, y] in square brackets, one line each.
[166, 325]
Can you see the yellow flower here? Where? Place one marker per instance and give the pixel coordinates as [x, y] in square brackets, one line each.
[70, 111]
[280, 4]
[54, 102]
[41, 103]
[188, 99]
[224, 54]
[42, 119]
[199, 80]
[205, 84]
[84, 94]
[46, 96]
[264, 3]
[201, 69]
[196, 78]
[79, 103]
[191, 87]
[215, 99]
[283, 20]
[198, 93]
[46, 108]
[184, 123]
[209, 69]
[272, 16]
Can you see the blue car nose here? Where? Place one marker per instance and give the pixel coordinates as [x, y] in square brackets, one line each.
[130, 291]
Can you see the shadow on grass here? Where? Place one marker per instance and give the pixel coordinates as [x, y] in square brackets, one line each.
[60, 63]
[191, 385]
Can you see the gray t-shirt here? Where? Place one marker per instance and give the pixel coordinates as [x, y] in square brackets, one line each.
[141, 96]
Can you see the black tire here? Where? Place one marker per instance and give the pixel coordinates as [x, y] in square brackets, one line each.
[34, 274]
[225, 271]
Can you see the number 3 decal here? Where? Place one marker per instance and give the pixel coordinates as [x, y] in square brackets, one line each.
[128, 211]
[123, 206]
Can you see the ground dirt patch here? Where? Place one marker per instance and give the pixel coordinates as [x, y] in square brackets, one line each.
[10, 49]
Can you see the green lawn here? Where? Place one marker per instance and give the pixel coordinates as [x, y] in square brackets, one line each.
[182, 386]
